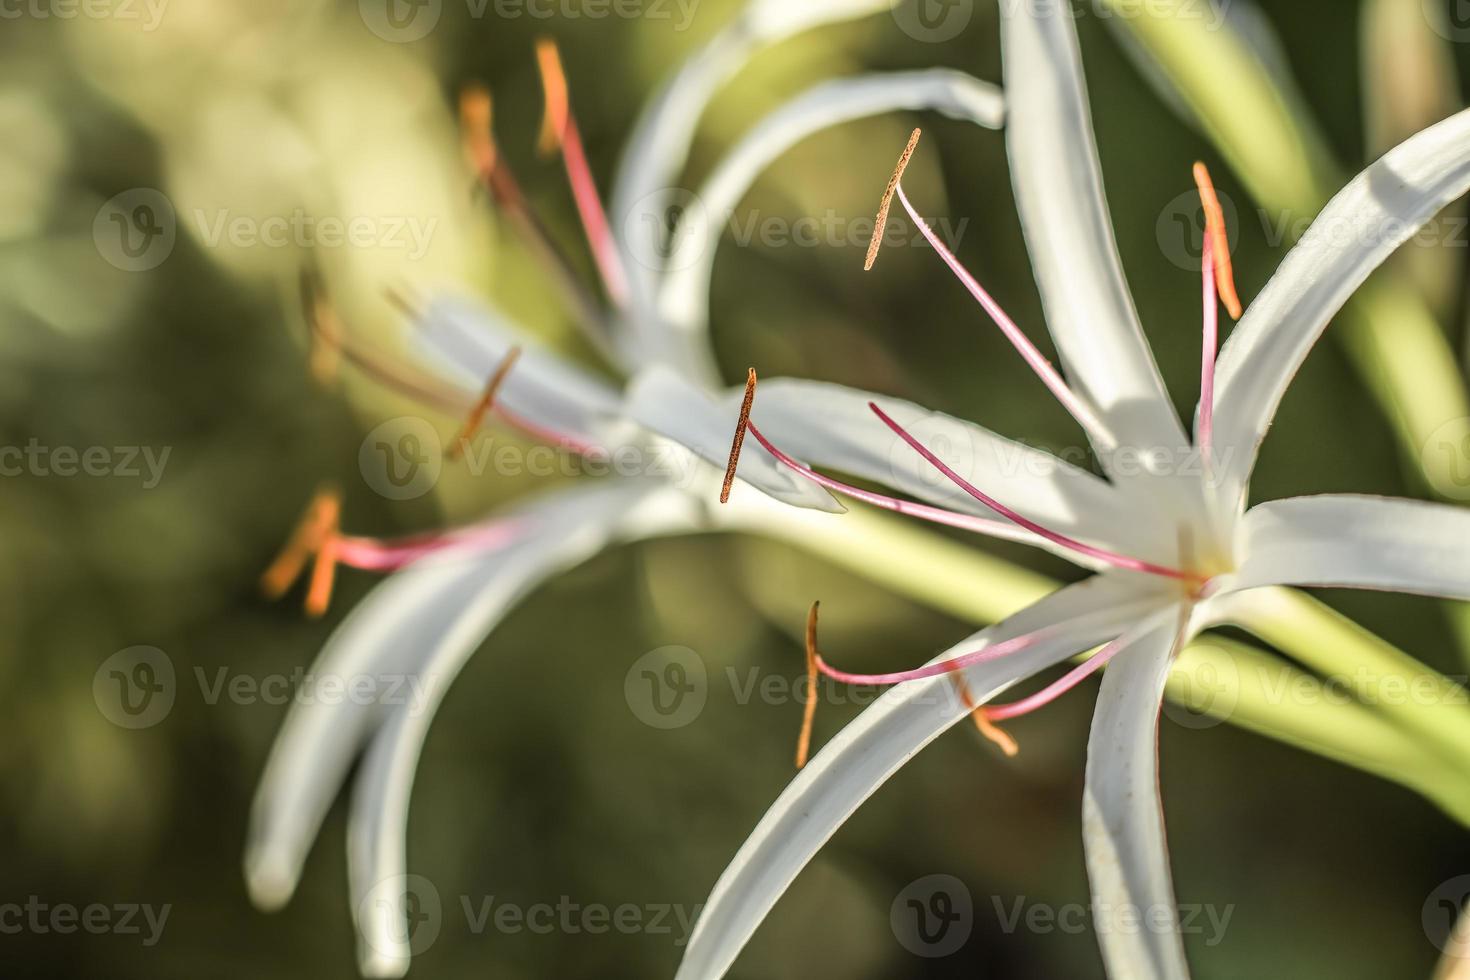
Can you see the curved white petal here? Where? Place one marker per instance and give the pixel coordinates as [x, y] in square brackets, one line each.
[1122, 816]
[574, 526]
[1372, 216]
[379, 643]
[831, 426]
[659, 148]
[865, 753]
[466, 341]
[684, 296]
[1358, 542]
[1059, 191]
[661, 400]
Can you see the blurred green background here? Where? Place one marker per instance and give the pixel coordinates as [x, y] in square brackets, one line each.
[539, 781]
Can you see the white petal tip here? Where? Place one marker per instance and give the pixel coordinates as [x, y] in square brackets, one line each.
[271, 880]
[374, 964]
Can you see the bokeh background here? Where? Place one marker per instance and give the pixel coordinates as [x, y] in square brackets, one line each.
[539, 781]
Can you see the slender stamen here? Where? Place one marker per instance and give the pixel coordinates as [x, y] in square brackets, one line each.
[1072, 544]
[809, 710]
[880, 224]
[560, 121]
[993, 652]
[937, 515]
[739, 441]
[1048, 694]
[1208, 350]
[1217, 233]
[482, 407]
[386, 555]
[1034, 359]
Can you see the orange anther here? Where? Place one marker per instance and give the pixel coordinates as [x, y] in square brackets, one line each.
[1219, 241]
[482, 407]
[475, 114]
[809, 711]
[554, 84]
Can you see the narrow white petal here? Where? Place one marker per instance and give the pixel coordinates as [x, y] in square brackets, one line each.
[865, 753]
[1059, 191]
[466, 341]
[832, 426]
[684, 297]
[659, 148]
[1371, 217]
[575, 526]
[1122, 816]
[1358, 542]
[663, 401]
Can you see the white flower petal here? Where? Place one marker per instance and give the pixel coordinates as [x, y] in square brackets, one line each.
[466, 341]
[684, 296]
[1122, 817]
[659, 148]
[663, 401]
[831, 426]
[865, 753]
[1059, 192]
[1372, 216]
[381, 639]
[573, 526]
[1358, 542]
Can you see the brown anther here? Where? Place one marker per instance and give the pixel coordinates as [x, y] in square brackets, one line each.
[809, 710]
[554, 84]
[1219, 241]
[881, 224]
[482, 407]
[476, 110]
[983, 724]
[740, 426]
[316, 527]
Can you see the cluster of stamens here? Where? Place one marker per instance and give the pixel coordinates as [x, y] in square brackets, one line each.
[1218, 285]
[318, 536]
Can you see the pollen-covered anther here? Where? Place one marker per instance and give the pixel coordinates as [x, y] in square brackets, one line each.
[741, 424]
[880, 224]
[1219, 240]
[476, 112]
[315, 534]
[809, 709]
[485, 403]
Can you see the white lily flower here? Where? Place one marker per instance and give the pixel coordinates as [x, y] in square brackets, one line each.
[454, 588]
[1175, 550]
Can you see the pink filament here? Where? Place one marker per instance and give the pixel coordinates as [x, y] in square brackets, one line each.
[1208, 353]
[594, 217]
[994, 652]
[1072, 544]
[967, 522]
[1033, 357]
[379, 555]
[1057, 688]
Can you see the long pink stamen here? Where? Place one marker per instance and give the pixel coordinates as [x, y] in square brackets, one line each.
[561, 131]
[381, 555]
[1054, 690]
[1208, 353]
[966, 522]
[1034, 358]
[1072, 544]
[993, 652]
